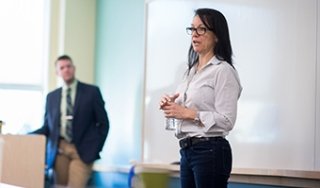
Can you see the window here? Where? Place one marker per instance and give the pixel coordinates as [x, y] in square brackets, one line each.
[23, 47]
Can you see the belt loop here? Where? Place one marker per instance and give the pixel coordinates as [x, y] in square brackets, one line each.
[189, 141]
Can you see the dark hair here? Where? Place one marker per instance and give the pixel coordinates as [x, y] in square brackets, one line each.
[217, 23]
[64, 57]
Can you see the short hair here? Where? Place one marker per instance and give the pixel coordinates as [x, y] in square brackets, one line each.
[63, 57]
[217, 23]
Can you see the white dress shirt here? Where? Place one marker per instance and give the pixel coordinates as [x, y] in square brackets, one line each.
[213, 92]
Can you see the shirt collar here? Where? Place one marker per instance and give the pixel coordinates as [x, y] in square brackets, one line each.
[73, 85]
[214, 60]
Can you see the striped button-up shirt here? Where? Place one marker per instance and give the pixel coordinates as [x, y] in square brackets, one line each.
[214, 92]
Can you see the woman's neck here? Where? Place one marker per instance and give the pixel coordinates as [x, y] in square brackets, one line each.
[203, 60]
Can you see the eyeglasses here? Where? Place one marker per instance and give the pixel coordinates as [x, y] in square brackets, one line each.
[199, 30]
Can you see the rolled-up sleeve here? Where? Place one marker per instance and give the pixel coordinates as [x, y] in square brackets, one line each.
[227, 90]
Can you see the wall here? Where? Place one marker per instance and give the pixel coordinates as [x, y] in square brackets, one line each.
[80, 29]
[120, 73]
[317, 103]
[106, 41]
[72, 32]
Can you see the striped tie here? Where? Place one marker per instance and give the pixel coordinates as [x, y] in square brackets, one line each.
[69, 116]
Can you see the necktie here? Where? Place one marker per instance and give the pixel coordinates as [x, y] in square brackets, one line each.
[69, 116]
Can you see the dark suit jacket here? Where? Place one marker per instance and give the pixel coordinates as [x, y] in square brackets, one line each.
[90, 123]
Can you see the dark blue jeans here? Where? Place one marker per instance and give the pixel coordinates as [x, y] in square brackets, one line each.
[206, 164]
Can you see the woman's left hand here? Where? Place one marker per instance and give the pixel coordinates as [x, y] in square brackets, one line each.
[174, 110]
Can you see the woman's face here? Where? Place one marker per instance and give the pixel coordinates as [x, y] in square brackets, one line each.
[202, 43]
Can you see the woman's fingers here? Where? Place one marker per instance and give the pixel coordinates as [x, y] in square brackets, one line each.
[174, 97]
[164, 101]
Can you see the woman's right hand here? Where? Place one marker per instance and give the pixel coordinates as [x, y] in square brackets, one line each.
[167, 99]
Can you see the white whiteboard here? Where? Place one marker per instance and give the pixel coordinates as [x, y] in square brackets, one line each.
[275, 52]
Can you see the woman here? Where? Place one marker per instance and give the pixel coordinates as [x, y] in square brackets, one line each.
[206, 103]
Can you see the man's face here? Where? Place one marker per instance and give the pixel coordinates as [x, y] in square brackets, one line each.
[66, 70]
